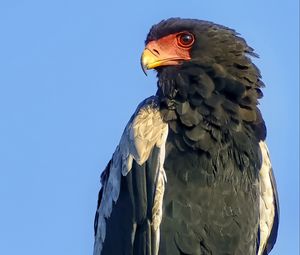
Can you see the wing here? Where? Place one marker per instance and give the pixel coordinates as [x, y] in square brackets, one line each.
[269, 204]
[130, 201]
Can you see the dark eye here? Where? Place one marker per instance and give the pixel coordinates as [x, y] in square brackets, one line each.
[185, 39]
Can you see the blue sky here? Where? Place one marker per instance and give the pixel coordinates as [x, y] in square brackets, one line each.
[70, 80]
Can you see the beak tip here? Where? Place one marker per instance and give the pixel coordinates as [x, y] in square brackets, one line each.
[144, 70]
[144, 67]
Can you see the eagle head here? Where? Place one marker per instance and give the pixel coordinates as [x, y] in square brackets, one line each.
[177, 42]
[208, 66]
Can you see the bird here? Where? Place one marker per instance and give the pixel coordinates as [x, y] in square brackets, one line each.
[192, 172]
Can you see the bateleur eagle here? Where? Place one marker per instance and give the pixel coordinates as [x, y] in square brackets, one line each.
[192, 173]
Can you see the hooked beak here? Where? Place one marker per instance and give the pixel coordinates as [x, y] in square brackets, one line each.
[153, 56]
[146, 60]
[166, 51]
[151, 60]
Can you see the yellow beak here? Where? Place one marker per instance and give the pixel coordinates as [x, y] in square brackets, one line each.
[149, 60]
[164, 52]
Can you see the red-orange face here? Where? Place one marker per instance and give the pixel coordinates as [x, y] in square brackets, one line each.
[170, 50]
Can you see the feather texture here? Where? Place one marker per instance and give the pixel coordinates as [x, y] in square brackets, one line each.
[144, 132]
[203, 132]
[269, 205]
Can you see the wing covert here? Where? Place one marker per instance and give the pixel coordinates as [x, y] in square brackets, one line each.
[133, 184]
[269, 204]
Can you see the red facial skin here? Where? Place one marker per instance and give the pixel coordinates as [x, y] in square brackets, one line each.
[172, 49]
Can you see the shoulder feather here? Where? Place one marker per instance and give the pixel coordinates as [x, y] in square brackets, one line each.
[269, 205]
[144, 130]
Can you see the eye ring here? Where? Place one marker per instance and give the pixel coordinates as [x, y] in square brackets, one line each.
[185, 39]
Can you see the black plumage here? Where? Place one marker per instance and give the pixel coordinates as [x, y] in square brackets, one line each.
[213, 155]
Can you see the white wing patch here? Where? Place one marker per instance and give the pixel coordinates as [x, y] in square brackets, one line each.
[142, 133]
[145, 130]
[267, 198]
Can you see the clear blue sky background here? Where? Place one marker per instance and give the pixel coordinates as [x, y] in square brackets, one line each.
[70, 80]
